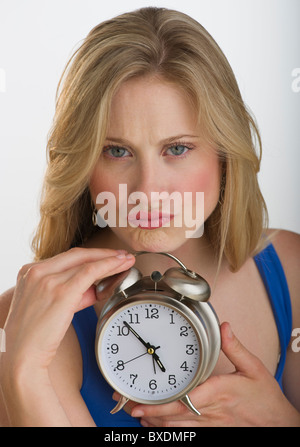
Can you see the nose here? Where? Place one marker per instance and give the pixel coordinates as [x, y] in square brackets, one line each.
[148, 178]
[151, 176]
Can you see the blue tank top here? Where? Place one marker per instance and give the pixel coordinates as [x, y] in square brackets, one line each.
[97, 394]
[272, 274]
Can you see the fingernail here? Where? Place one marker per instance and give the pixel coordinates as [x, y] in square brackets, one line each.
[124, 256]
[229, 332]
[122, 251]
[116, 396]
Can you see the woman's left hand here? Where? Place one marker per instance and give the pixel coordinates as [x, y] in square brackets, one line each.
[248, 397]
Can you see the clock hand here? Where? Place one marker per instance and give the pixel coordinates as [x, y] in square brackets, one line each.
[153, 365]
[141, 355]
[157, 359]
[147, 345]
[128, 361]
[150, 349]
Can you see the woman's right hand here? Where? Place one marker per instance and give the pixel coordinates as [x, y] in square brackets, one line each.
[47, 295]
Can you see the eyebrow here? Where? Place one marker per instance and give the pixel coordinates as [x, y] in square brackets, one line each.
[162, 142]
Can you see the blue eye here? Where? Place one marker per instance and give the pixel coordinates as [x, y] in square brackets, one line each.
[115, 151]
[177, 150]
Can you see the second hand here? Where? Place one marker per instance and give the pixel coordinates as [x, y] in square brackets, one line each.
[150, 349]
[137, 357]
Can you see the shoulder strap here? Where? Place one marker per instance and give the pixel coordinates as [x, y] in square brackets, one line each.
[272, 274]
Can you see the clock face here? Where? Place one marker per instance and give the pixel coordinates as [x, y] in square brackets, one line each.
[149, 351]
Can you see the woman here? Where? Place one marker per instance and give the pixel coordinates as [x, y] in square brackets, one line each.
[149, 101]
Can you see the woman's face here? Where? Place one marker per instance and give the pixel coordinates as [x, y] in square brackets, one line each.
[154, 146]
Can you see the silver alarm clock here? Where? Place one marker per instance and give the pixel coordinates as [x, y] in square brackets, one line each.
[157, 336]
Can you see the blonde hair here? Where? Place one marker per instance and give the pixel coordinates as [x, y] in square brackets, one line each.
[172, 45]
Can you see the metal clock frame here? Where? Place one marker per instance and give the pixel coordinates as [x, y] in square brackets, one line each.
[200, 314]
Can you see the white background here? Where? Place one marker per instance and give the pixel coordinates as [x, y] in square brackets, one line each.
[261, 39]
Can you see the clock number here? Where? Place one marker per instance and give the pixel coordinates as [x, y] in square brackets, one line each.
[114, 348]
[184, 366]
[134, 319]
[152, 384]
[189, 349]
[133, 377]
[120, 365]
[184, 331]
[152, 313]
[172, 379]
[172, 319]
[122, 330]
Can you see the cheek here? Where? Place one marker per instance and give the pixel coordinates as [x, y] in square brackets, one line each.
[206, 180]
[101, 182]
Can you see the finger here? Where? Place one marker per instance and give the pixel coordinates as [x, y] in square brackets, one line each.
[78, 256]
[101, 268]
[73, 289]
[202, 396]
[67, 260]
[172, 409]
[150, 423]
[170, 423]
[77, 283]
[89, 297]
[244, 362]
[155, 413]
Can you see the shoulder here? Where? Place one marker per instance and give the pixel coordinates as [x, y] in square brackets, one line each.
[286, 242]
[5, 302]
[287, 246]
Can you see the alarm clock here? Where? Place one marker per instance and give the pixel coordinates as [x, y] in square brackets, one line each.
[157, 336]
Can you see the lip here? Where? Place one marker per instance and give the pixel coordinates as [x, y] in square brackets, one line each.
[150, 220]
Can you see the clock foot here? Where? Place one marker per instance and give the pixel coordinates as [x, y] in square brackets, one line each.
[122, 401]
[187, 402]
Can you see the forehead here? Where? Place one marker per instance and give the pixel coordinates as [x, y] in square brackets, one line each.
[141, 103]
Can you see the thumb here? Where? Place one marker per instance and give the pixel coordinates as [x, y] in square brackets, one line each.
[244, 362]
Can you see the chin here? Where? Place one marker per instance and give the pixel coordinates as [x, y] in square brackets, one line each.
[154, 240]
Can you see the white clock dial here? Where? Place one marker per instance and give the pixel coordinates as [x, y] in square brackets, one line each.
[149, 351]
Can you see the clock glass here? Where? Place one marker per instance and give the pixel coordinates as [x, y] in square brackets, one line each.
[149, 351]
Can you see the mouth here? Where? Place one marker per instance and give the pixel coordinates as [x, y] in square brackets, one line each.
[150, 220]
